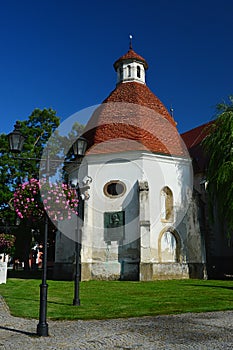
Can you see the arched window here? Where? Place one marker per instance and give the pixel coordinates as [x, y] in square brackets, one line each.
[167, 212]
[138, 72]
[168, 247]
[129, 70]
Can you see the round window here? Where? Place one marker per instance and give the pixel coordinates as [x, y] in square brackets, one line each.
[114, 189]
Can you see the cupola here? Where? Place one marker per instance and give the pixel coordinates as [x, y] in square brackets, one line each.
[131, 67]
[132, 117]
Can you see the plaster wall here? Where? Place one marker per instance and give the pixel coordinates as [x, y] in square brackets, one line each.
[141, 253]
[138, 245]
[124, 76]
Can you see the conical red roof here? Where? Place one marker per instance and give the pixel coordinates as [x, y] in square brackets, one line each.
[140, 94]
[133, 118]
[131, 55]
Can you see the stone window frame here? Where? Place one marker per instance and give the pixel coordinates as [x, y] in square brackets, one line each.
[178, 244]
[109, 195]
[166, 195]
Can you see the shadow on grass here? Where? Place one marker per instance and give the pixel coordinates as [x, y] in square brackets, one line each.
[33, 274]
[48, 301]
[210, 286]
[18, 331]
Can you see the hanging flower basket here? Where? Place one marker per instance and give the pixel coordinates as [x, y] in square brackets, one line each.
[34, 197]
[59, 200]
[26, 200]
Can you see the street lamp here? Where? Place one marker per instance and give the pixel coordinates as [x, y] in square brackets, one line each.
[79, 149]
[16, 140]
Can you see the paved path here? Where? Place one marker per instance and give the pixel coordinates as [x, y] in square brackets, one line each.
[205, 331]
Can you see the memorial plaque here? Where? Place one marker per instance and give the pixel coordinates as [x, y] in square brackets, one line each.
[3, 272]
[114, 226]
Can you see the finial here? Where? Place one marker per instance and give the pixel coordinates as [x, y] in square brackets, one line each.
[172, 111]
[130, 42]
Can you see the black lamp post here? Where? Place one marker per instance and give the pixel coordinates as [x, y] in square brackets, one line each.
[79, 149]
[16, 140]
[42, 327]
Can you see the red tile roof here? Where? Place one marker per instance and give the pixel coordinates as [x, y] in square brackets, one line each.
[133, 118]
[138, 93]
[131, 55]
[193, 139]
[195, 136]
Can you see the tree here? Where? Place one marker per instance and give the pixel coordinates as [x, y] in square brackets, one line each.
[37, 129]
[40, 127]
[218, 145]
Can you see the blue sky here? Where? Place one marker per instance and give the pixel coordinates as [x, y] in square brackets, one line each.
[60, 54]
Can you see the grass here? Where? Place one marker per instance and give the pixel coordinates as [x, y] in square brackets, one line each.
[115, 299]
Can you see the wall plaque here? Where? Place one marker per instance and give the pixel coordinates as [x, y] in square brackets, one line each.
[114, 226]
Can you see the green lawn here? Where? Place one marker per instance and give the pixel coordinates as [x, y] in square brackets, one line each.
[114, 299]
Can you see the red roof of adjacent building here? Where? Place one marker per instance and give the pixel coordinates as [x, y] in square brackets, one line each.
[195, 136]
[193, 139]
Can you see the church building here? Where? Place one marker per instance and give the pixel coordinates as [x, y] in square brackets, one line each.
[140, 213]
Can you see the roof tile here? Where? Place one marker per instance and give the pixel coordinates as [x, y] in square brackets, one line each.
[133, 113]
[130, 55]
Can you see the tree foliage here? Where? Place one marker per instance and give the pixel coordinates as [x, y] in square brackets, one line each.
[6, 243]
[218, 146]
[38, 128]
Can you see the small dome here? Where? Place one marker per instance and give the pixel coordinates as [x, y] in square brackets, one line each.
[131, 67]
[131, 55]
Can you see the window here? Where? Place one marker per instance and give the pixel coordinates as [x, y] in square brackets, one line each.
[166, 205]
[114, 188]
[129, 71]
[138, 72]
[168, 247]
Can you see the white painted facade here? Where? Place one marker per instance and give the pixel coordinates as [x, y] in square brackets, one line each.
[149, 240]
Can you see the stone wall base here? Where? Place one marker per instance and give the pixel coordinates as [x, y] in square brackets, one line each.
[168, 271]
[165, 271]
[130, 271]
[111, 270]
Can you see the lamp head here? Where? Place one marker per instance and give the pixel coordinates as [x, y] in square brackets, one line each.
[16, 139]
[80, 146]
